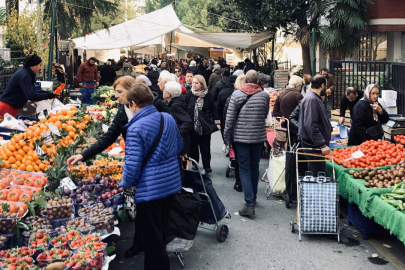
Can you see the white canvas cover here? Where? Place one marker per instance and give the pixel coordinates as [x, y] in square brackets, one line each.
[134, 32]
[234, 40]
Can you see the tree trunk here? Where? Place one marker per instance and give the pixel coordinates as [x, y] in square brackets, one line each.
[255, 61]
[306, 59]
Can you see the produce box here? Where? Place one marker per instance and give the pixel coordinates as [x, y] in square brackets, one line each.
[364, 224]
[104, 224]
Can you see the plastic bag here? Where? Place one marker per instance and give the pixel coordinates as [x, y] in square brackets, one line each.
[276, 174]
[57, 105]
[44, 105]
[269, 119]
[11, 123]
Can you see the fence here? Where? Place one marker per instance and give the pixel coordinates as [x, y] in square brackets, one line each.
[398, 84]
[359, 74]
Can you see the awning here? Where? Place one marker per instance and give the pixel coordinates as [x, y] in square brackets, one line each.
[135, 32]
[196, 50]
[234, 40]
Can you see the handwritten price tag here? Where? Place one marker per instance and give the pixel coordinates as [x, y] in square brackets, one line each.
[47, 136]
[68, 183]
[54, 129]
[357, 154]
[39, 151]
[105, 128]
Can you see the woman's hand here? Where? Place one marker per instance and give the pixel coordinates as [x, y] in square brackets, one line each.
[73, 160]
[219, 127]
[377, 108]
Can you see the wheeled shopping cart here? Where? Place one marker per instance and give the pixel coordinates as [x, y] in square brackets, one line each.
[317, 197]
[213, 210]
[275, 173]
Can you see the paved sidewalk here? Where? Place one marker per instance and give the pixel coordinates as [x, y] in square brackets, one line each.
[266, 242]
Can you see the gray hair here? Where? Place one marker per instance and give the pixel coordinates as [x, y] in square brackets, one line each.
[295, 81]
[193, 64]
[238, 72]
[173, 88]
[217, 67]
[263, 78]
[144, 79]
[252, 76]
[166, 76]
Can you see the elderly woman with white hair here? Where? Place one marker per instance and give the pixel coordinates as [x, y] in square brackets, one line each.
[287, 101]
[172, 93]
[164, 77]
[157, 101]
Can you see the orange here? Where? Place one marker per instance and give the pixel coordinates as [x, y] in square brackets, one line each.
[22, 143]
[21, 152]
[19, 157]
[86, 117]
[30, 168]
[11, 147]
[17, 146]
[18, 163]
[73, 108]
[26, 149]
[7, 164]
[14, 167]
[36, 168]
[72, 134]
[12, 160]
[23, 167]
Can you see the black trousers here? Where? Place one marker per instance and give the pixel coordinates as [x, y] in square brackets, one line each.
[315, 164]
[201, 144]
[153, 219]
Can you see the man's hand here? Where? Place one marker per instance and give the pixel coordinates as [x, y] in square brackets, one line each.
[328, 92]
[219, 127]
[80, 84]
[325, 150]
[184, 157]
[341, 120]
[74, 159]
[97, 84]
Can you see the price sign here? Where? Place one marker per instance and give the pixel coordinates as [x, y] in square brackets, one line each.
[105, 128]
[39, 151]
[54, 129]
[357, 154]
[68, 183]
[47, 136]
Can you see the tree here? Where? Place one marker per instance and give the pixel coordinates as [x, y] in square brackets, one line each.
[74, 18]
[22, 32]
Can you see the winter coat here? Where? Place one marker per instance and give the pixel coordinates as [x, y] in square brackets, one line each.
[209, 108]
[187, 86]
[285, 104]
[20, 89]
[330, 82]
[249, 126]
[155, 88]
[87, 73]
[153, 76]
[195, 70]
[362, 120]
[294, 116]
[107, 75]
[116, 128]
[214, 78]
[178, 110]
[207, 73]
[314, 126]
[222, 98]
[219, 86]
[160, 177]
[346, 103]
[182, 79]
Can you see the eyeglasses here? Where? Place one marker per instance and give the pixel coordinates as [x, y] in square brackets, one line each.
[177, 71]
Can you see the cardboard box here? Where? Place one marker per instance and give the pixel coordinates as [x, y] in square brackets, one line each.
[392, 110]
[389, 103]
[389, 94]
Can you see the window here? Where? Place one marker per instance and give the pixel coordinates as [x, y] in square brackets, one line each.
[373, 47]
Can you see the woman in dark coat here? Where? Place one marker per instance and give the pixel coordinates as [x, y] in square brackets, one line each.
[367, 113]
[199, 100]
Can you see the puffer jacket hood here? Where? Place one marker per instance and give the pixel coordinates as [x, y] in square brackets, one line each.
[160, 177]
[217, 71]
[250, 88]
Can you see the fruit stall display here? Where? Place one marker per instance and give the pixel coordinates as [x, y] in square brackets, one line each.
[45, 214]
[376, 154]
[381, 178]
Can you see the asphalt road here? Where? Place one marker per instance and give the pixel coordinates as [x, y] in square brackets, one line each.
[266, 241]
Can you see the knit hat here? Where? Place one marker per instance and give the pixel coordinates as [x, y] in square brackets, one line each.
[238, 72]
[32, 60]
[144, 79]
[217, 67]
[193, 64]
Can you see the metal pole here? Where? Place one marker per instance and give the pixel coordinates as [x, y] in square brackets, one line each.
[56, 46]
[271, 83]
[313, 53]
[51, 41]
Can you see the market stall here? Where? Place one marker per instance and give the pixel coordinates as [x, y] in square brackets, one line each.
[366, 188]
[52, 216]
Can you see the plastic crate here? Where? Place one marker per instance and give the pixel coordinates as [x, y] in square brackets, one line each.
[364, 224]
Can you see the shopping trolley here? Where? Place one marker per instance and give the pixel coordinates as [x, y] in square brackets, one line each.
[275, 173]
[318, 199]
[213, 210]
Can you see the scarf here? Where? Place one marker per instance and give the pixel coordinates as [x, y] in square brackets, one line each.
[366, 98]
[197, 108]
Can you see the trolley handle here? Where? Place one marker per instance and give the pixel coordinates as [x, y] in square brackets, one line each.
[317, 149]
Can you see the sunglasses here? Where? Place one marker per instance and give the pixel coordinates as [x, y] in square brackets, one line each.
[177, 71]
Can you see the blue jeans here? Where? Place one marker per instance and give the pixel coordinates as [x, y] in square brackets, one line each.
[86, 95]
[249, 159]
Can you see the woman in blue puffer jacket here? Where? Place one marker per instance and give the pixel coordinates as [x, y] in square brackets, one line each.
[159, 180]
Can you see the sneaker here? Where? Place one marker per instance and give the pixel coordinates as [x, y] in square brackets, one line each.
[238, 187]
[247, 211]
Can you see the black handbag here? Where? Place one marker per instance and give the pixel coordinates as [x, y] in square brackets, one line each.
[207, 123]
[375, 132]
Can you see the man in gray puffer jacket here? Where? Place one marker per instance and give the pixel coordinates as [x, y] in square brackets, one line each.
[245, 125]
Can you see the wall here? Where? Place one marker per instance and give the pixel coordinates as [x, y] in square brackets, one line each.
[394, 45]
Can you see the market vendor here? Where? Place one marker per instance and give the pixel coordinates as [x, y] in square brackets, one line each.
[349, 99]
[87, 76]
[368, 115]
[20, 88]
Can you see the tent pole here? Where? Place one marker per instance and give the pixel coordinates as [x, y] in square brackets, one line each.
[51, 41]
[272, 63]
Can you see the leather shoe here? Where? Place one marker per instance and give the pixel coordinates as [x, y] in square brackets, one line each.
[247, 211]
[133, 251]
